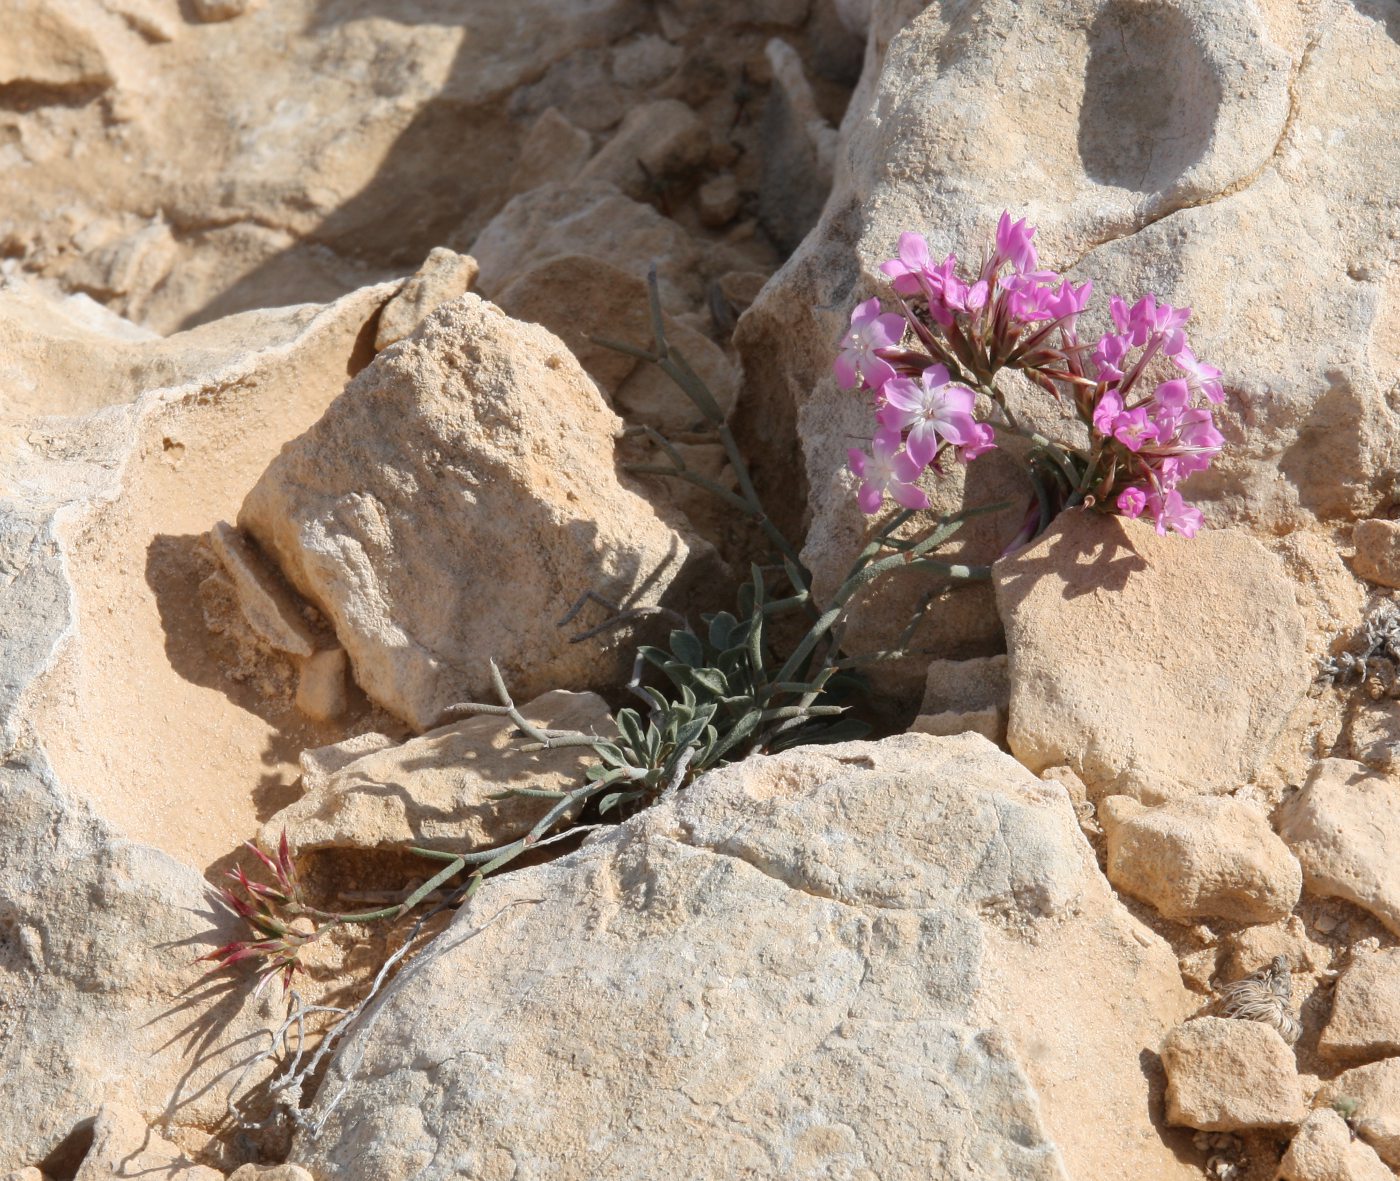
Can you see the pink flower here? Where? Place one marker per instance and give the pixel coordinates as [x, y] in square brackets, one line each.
[931, 409]
[1131, 501]
[1134, 429]
[1172, 512]
[1106, 411]
[1068, 302]
[1200, 378]
[983, 439]
[857, 363]
[886, 469]
[1109, 354]
[1146, 319]
[1014, 244]
[908, 273]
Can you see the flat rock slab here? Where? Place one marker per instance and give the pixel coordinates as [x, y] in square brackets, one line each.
[1230, 1075]
[440, 789]
[1155, 667]
[871, 960]
[1365, 1021]
[1344, 827]
[453, 504]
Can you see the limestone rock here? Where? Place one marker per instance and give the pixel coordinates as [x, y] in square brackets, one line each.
[1365, 1021]
[657, 145]
[763, 949]
[129, 761]
[799, 150]
[1325, 1150]
[554, 151]
[719, 200]
[1133, 662]
[436, 790]
[1373, 733]
[578, 298]
[123, 1146]
[1227, 1076]
[453, 503]
[1201, 858]
[965, 695]
[220, 10]
[1374, 1088]
[1383, 1134]
[1149, 137]
[445, 275]
[270, 610]
[270, 1173]
[1377, 551]
[1344, 827]
[595, 220]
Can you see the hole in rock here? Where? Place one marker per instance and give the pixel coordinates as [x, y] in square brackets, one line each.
[1150, 97]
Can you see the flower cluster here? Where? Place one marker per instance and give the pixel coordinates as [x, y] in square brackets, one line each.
[259, 905]
[1133, 391]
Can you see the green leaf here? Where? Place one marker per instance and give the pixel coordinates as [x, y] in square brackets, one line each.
[610, 754]
[711, 680]
[721, 629]
[654, 656]
[687, 647]
[629, 723]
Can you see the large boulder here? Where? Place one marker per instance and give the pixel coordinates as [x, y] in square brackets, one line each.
[1141, 139]
[1153, 666]
[453, 505]
[878, 958]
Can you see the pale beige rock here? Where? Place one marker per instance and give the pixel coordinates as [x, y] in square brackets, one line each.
[1228, 1076]
[1373, 733]
[595, 220]
[445, 275]
[719, 200]
[965, 695]
[296, 154]
[646, 61]
[649, 397]
[1377, 551]
[1374, 1088]
[220, 10]
[269, 1173]
[415, 515]
[1133, 662]
[553, 151]
[1383, 1134]
[799, 150]
[578, 298]
[124, 1146]
[762, 947]
[1344, 827]
[1365, 1020]
[270, 609]
[1148, 138]
[129, 761]
[437, 790]
[321, 688]
[659, 144]
[990, 723]
[1202, 858]
[1325, 1150]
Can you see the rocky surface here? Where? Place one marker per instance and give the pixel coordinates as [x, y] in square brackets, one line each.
[1344, 827]
[1365, 1020]
[1226, 1076]
[439, 790]
[1200, 858]
[781, 918]
[1133, 664]
[1325, 1150]
[1377, 552]
[472, 457]
[1146, 140]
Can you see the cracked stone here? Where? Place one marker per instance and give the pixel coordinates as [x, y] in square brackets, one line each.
[786, 951]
